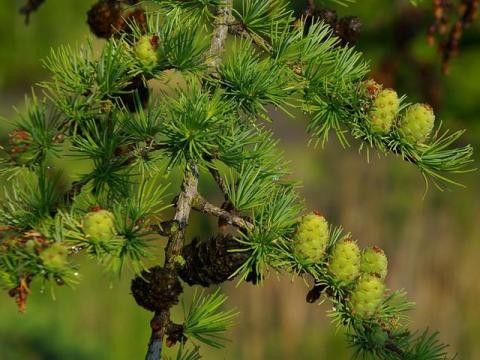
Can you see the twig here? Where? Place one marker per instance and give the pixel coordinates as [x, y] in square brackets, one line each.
[161, 319]
[202, 205]
[219, 180]
[184, 205]
[166, 228]
[223, 18]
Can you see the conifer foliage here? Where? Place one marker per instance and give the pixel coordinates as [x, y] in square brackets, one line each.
[209, 120]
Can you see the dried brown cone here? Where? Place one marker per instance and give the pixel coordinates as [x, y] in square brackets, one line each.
[156, 289]
[211, 262]
[103, 18]
[347, 29]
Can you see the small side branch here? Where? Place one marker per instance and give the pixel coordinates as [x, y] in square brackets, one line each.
[165, 228]
[202, 205]
[220, 181]
[184, 205]
[223, 18]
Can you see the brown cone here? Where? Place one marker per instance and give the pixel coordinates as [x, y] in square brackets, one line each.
[156, 289]
[211, 262]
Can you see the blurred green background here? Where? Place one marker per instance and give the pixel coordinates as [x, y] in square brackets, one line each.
[432, 242]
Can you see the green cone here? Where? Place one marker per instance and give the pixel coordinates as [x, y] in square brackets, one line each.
[374, 262]
[383, 112]
[99, 225]
[146, 50]
[366, 296]
[55, 256]
[344, 264]
[311, 238]
[417, 123]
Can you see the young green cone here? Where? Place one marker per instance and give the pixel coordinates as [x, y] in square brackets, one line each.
[344, 262]
[311, 238]
[146, 50]
[417, 123]
[99, 225]
[366, 296]
[55, 256]
[374, 262]
[383, 112]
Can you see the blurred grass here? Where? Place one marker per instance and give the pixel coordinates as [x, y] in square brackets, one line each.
[432, 243]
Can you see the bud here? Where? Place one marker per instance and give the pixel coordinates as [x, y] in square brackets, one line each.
[99, 225]
[311, 238]
[384, 109]
[344, 262]
[55, 256]
[366, 296]
[417, 123]
[146, 50]
[374, 262]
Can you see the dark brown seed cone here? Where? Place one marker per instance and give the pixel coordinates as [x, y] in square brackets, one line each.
[348, 29]
[134, 94]
[327, 16]
[156, 289]
[103, 18]
[211, 262]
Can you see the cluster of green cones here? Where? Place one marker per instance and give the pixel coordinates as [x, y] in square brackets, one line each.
[360, 272]
[415, 124]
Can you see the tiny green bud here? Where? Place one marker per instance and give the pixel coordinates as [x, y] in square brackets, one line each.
[179, 259]
[417, 123]
[99, 225]
[146, 50]
[55, 256]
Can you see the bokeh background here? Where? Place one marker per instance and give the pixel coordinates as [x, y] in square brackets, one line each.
[433, 241]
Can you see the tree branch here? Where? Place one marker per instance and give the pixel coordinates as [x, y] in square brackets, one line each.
[219, 180]
[184, 205]
[224, 16]
[161, 319]
[202, 205]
